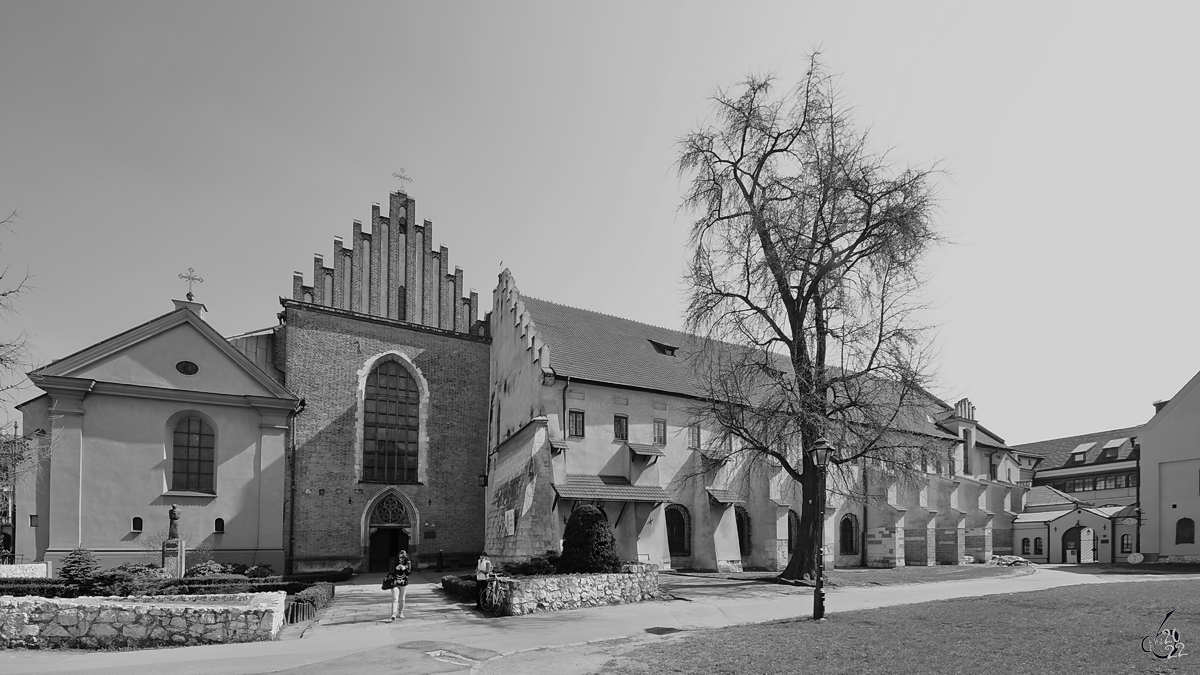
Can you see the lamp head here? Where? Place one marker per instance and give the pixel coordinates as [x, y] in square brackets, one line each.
[821, 452]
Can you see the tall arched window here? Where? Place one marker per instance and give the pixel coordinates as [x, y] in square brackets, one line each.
[793, 530]
[742, 516]
[679, 530]
[1185, 531]
[193, 454]
[1037, 546]
[1025, 546]
[391, 425]
[848, 531]
[1126, 543]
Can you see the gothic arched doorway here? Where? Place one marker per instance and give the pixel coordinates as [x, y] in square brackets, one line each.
[1079, 545]
[388, 530]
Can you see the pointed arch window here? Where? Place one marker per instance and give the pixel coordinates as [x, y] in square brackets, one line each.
[742, 516]
[848, 535]
[793, 530]
[391, 425]
[192, 457]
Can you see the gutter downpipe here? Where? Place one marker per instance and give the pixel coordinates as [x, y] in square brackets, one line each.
[291, 565]
[1138, 497]
[562, 422]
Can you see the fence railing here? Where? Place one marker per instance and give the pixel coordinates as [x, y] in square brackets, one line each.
[298, 612]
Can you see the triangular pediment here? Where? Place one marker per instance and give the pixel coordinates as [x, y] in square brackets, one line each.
[151, 356]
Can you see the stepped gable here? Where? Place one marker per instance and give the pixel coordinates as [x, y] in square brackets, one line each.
[392, 272]
[508, 302]
[1057, 451]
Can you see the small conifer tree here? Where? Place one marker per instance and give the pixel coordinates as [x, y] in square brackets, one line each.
[588, 545]
[79, 568]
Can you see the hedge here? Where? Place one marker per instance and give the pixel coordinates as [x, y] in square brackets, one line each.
[40, 587]
[313, 577]
[464, 586]
[319, 595]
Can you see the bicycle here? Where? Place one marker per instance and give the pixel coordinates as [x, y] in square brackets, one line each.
[494, 595]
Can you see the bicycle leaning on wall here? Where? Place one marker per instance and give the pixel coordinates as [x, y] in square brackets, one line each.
[494, 596]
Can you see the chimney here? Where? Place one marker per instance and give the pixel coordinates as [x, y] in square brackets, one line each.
[1159, 405]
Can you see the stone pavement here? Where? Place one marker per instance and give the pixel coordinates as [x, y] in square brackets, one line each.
[442, 635]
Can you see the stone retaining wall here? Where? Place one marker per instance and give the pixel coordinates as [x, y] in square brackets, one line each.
[160, 621]
[33, 570]
[637, 582]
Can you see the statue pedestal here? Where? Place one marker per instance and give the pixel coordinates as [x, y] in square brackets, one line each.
[174, 556]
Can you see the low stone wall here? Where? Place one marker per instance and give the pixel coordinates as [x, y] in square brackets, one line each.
[160, 621]
[637, 582]
[39, 570]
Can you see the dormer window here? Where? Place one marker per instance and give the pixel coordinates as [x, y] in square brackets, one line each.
[663, 348]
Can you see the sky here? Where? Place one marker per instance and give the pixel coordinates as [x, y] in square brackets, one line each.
[141, 139]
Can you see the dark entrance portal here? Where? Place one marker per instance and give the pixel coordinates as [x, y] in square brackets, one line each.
[386, 543]
[1079, 545]
[389, 527]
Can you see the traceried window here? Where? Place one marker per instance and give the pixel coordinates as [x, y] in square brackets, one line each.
[620, 427]
[1127, 543]
[193, 455]
[1037, 546]
[1185, 531]
[660, 432]
[391, 425]
[575, 423]
[1025, 546]
[679, 530]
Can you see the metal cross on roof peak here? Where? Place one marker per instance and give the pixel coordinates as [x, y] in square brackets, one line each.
[191, 277]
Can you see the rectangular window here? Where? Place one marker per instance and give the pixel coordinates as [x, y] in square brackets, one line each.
[1131, 480]
[660, 432]
[620, 427]
[575, 423]
[694, 436]
[32, 520]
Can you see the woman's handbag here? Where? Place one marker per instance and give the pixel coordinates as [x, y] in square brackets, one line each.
[389, 582]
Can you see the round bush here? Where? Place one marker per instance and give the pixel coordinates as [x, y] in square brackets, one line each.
[588, 545]
[79, 568]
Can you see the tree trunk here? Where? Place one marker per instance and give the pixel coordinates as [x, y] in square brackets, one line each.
[803, 563]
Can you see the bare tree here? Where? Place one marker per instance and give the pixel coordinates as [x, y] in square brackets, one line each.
[805, 262]
[14, 355]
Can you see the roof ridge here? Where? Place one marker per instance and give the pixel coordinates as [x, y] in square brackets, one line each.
[611, 316]
[1093, 433]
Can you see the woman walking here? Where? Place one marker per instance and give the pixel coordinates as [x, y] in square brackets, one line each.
[397, 581]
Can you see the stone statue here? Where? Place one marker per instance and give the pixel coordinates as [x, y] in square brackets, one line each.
[173, 532]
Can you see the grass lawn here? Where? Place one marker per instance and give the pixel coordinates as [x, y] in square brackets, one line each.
[871, 576]
[1095, 628]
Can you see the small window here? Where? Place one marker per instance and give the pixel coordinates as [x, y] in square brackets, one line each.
[32, 520]
[187, 368]
[694, 436]
[575, 423]
[1025, 546]
[1131, 480]
[1185, 531]
[620, 427]
[848, 532]
[219, 526]
[1037, 546]
[137, 525]
[1127, 543]
[660, 432]
[663, 348]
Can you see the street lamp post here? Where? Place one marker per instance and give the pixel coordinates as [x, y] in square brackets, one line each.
[821, 451]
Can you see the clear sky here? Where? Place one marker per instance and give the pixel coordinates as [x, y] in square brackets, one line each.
[140, 139]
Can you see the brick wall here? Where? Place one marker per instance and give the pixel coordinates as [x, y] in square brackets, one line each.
[950, 545]
[884, 547]
[1002, 541]
[920, 546]
[322, 352]
[978, 543]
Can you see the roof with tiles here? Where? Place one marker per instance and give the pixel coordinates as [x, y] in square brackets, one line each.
[609, 488]
[1058, 451]
[590, 345]
[1044, 495]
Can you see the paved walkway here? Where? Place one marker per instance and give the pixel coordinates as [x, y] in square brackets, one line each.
[442, 635]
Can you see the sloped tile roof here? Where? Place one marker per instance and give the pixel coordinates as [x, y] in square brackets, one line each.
[725, 496]
[559, 444]
[594, 346]
[1044, 495]
[645, 450]
[609, 489]
[1058, 450]
[1040, 516]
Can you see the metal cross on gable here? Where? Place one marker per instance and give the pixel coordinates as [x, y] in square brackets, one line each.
[191, 277]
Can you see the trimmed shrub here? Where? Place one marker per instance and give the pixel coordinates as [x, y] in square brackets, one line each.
[539, 565]
[207, 568]
[461, 585]
[79, 568]
[319, 595]
[259, 572]
[314, 577]
[38, 586]
[588, 545]
[234, 568]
